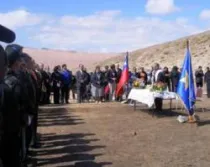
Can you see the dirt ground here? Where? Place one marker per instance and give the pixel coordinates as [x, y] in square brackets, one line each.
[113, 134]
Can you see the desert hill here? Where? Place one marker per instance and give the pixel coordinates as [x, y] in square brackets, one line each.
[167, 54]
[52, 58]
[170, 53]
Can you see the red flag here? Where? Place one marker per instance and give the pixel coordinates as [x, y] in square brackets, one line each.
[124, 78]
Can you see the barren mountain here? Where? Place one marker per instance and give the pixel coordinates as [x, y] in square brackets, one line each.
[167, 54]
[170, 53]
[52, 58]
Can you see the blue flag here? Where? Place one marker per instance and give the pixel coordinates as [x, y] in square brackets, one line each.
[186, 89]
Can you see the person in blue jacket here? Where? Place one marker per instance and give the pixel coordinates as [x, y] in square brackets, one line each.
[66, 83]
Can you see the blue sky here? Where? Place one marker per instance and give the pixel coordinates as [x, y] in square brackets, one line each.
[93, 25]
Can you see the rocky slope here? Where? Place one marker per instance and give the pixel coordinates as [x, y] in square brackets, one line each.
[170, 53]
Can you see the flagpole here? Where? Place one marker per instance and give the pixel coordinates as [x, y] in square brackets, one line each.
[182, 87]
[191, 118]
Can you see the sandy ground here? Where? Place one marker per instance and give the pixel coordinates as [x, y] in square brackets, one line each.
[113, 134]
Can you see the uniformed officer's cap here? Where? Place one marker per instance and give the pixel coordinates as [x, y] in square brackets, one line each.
[13, 52]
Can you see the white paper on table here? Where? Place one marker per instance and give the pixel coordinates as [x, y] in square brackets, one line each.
[143, 96]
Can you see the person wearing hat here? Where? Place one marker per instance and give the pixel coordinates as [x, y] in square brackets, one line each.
[17, 67]
[6, 35]
[12, 104]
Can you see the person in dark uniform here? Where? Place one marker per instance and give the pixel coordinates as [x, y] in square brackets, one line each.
[167, 81]
[81, 78]
[56, 79]
[48, 85]
[35, 143]
[87, 93]
[33, 90]
[199, 76]
[175, 76]
[45, 88]
[29, 96]
[207, 81]
[11, 111]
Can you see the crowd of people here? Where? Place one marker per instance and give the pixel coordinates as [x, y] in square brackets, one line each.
[100, 85]
[24, 85]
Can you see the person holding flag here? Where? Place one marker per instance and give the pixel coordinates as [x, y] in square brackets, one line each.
[123, 79]
[186, 89]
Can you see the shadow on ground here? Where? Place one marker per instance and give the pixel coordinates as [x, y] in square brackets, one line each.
[57, 117]
[65, 150]
[166, 112]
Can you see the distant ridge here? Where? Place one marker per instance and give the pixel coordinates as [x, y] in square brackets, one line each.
[51, 57]
[169, 53]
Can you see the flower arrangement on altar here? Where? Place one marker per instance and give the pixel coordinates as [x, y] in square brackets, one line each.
[138, 83]
[159, 87]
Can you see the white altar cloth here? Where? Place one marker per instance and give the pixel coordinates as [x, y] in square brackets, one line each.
[146, 96]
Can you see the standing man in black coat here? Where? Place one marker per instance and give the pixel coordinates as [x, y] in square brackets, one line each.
[175, 76]
[56, 81]
[199, 76]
